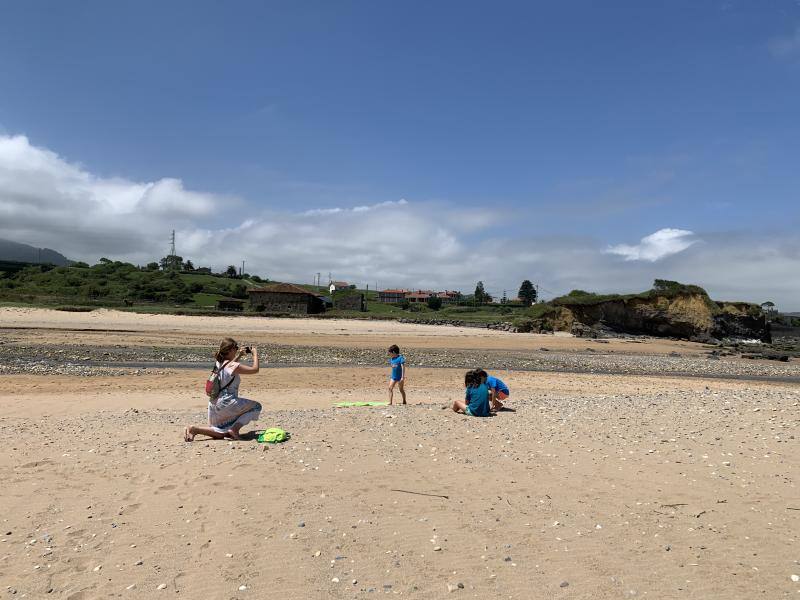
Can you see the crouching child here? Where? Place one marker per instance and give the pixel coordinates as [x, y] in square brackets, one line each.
[476, 397]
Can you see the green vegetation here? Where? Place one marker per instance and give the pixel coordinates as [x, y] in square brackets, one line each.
[588, 298]
[671, 289]
[661, 287]
[434, 303]
[121, 285]
[381, 308]
[480, 295]
[540, 311]
[114, 283]
[527, 293]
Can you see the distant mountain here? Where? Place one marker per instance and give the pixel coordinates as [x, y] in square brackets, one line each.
[14, 251]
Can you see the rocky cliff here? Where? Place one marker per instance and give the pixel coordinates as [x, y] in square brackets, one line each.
[668, 310]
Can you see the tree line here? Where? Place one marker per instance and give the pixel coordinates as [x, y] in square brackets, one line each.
[527, 294]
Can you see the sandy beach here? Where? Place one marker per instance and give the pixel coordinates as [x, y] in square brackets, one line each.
[104, 326]
[630, 469]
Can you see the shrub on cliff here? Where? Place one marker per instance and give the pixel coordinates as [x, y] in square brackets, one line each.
[661, 287]
[674, 288]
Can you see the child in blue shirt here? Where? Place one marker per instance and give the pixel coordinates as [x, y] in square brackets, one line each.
[398, 376]
[476, 397]
[497, 390]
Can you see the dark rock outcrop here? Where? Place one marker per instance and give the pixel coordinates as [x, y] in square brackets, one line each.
[727, 325]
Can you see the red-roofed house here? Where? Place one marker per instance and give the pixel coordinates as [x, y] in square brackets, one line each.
[392, 296]
[419, 297]
[448, 296]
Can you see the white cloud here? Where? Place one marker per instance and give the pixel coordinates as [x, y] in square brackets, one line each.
[658, 245]
[48, 201]
[355, 209]
[787, 45]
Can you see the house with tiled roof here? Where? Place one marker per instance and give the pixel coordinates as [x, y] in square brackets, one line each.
[392, 296]
[420, 296]
[448, 296]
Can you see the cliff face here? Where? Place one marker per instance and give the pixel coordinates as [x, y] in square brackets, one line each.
[691, 316]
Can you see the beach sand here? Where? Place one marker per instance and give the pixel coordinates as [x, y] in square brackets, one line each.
[598, 486]
[135, 329]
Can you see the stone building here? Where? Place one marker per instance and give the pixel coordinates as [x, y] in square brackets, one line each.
[230, 304]
[350, 300]
[285, 298]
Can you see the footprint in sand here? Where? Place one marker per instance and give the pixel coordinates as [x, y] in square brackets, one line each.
[80, 565]
[131, 508]
[36, 463]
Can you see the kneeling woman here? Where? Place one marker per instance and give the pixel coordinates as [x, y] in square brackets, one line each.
[230, 412]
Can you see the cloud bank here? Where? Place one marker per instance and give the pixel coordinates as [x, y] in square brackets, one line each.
[46, 200]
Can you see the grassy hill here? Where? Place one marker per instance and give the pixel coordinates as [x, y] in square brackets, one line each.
[16, 252]
[125, 286]
[118, 284]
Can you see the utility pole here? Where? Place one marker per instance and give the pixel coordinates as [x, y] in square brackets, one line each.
[241, 273]
[171, 259]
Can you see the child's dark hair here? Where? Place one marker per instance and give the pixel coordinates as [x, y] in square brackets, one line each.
[481, 373]
[394, 349]
[472, 379]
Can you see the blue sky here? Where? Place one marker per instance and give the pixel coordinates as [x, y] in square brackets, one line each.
[559, 126]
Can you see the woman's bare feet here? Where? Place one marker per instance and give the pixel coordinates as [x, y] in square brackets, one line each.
[233, 433]
[193, 430]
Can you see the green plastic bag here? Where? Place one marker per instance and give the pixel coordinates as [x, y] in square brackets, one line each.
[274, 435]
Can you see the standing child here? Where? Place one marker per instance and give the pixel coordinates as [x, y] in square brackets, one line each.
[476, 397]
[497, 389]
[398, 376]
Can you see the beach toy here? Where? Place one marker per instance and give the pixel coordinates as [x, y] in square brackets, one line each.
[344, 404]
[274, 435]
